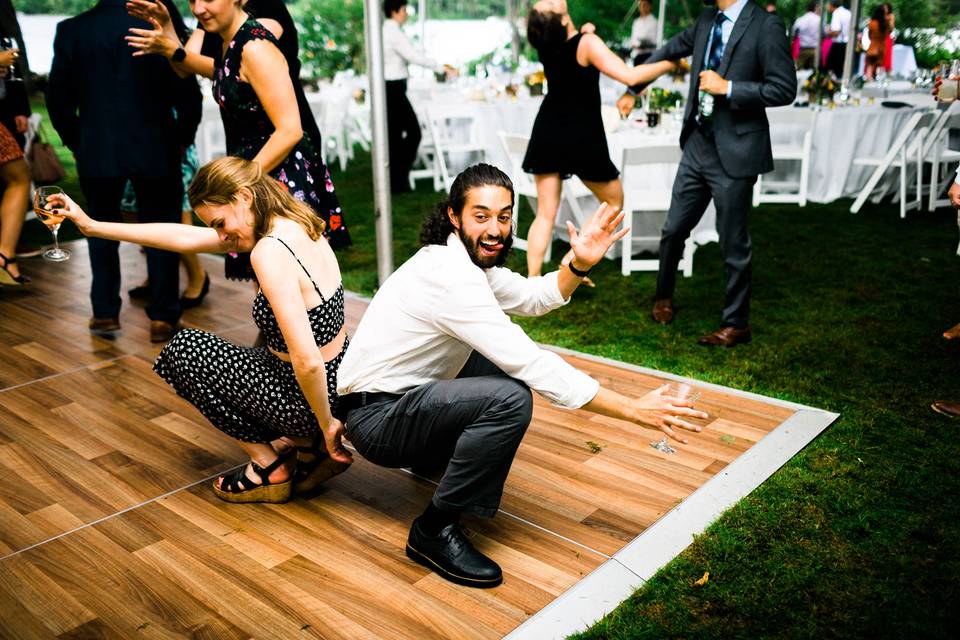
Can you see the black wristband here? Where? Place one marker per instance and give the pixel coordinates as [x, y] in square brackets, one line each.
[577, 272]
[179, 55]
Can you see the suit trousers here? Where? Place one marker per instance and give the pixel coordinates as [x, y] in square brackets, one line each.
[158, 200]
[471, 425]
[700, 177]
[403, 133]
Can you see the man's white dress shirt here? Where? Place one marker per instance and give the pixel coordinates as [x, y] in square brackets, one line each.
[644, 29]
[398, 52]
[807, 27]
[840, 21]
[432, 312]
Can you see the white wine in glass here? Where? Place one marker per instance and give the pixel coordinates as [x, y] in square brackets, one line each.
[48, 216]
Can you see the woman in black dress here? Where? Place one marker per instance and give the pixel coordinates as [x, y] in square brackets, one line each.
[568, 137]
[285, 389]
[260, 111]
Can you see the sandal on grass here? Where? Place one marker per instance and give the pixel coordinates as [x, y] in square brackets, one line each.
[312, 473]
[7, 278]
[235, 486]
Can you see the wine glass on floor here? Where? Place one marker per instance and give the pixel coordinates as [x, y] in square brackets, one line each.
[50, 218]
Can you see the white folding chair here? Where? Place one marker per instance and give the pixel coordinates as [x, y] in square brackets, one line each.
[938, 153]
[647, 201]
[456, 138]
[425, 166]
[515, 146]
[803, 119]
[907, 149]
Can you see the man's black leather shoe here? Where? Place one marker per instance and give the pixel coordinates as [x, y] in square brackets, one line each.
[452, 556]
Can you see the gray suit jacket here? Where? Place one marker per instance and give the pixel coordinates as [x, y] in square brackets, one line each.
[757, 60]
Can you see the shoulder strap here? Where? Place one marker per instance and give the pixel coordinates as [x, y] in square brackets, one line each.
[309, 277]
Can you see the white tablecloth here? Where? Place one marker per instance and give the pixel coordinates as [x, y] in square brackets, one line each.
[839, 136]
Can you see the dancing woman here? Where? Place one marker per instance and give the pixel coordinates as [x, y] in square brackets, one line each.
[285, 390]
[568, 137]
[255, 75]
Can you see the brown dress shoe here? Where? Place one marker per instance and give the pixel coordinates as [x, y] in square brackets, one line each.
[947, 408]
[104, 326]
[663, 311]
[161, 331]
[726, 337]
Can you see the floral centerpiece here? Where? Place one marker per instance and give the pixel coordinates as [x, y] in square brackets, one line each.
[663, 100]
[536, 81]
[820, 85]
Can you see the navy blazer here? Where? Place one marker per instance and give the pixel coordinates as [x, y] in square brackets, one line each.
[757, 60]
[113, 110]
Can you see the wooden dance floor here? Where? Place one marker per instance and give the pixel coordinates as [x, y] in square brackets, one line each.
[108, 526]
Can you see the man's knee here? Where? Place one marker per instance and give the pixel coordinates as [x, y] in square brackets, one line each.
[518, 402]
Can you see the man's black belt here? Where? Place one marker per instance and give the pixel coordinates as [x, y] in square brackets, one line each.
[353, 401]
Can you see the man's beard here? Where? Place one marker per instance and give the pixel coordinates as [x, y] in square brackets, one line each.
[486, 262]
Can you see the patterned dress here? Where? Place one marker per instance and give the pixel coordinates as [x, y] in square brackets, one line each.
[247, 392]
[247, 128]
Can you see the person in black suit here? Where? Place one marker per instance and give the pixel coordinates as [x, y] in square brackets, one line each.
[116, 113]
[741, 64]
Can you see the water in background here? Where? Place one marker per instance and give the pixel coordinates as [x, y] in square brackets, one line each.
[448, 41]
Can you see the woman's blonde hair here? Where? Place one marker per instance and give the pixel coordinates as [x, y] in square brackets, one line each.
[219, 182]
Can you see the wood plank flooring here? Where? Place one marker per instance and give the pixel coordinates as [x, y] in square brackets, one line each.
[108, 527]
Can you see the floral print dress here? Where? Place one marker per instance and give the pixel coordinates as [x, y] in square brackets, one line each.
[247, 129]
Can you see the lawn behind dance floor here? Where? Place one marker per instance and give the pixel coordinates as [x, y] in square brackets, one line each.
[854, 536]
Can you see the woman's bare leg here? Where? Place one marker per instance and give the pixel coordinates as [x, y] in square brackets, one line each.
[13, 208]
[195, 272]
[610, 192]
[549, 186]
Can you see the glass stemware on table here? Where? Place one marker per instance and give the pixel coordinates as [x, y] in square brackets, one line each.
[6, 44]
[50, 218]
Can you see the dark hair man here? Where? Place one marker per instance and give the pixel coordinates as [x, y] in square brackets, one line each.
[741, 65]
[437, 375]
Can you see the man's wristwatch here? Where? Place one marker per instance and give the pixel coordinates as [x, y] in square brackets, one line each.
[179, 55]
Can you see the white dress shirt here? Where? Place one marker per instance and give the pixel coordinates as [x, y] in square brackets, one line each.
[398, 52]
[732, 13]
[644, 29]
[840, 21]
[437, 308]
[807, 27]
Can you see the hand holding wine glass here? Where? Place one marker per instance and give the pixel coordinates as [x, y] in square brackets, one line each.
[47, 205]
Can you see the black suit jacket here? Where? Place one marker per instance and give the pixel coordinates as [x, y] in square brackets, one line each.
[757, 60]
[115, 111]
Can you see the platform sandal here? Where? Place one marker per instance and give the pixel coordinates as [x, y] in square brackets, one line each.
[8, 279]
[235, 486]
[312, 473]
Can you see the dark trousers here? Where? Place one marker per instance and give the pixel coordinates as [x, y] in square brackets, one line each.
[158, 200]
[835, 58]
[403, 133]
[472, 424]
[699, 178]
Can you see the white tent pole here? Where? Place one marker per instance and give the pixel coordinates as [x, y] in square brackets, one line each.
[422, 11]
[661, 22]
[823, 27]
[851, 43]
[373, 25]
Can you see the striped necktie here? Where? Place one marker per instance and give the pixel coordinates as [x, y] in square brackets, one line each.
[716, 42]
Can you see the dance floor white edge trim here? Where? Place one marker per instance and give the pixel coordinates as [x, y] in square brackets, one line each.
[616, 579]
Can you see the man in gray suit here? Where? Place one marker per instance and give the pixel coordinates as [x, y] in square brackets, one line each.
[741, 64]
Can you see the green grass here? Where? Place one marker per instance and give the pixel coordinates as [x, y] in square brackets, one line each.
[854, 537]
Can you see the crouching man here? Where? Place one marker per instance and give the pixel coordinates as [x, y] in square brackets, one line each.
[438, 375]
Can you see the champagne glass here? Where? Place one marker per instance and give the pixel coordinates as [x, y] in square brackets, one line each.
[50, 218]
[6, 44]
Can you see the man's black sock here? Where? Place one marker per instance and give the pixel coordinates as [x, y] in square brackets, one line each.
[434, 519]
